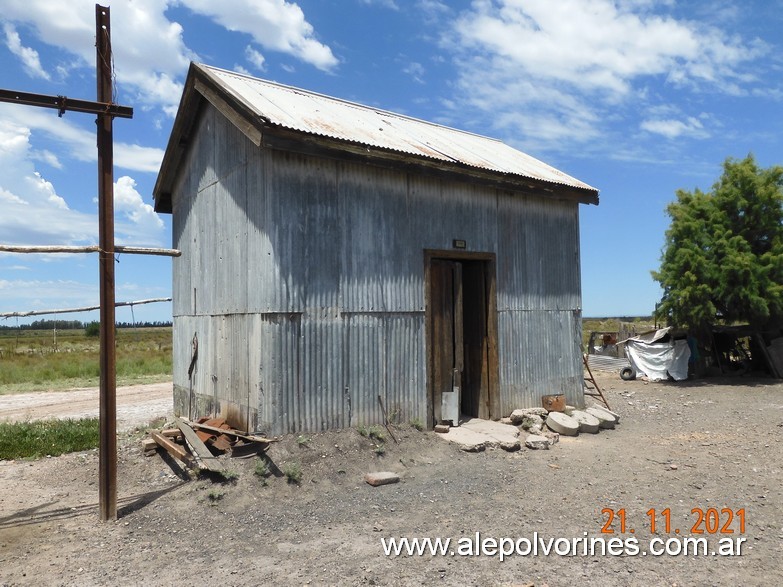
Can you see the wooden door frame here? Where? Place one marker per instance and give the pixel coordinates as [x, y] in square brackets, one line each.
[492, 324]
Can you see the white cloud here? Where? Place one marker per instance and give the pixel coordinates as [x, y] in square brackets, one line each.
[547, 71]
[273, 24]
[47, 157]
[28, 56]
[416, 71]
[149, 52]
[141, 222]
[385, 3]
[34, 213]
[17, 294]
[77, 142]
[672, 128]
[255, 58]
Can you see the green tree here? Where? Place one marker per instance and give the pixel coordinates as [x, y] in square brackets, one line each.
[723, 256]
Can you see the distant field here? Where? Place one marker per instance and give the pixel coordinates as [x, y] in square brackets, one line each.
[32, 360]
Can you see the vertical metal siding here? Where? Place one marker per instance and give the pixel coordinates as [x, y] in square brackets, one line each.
[539, 355]
[538, 254]
[310, 283]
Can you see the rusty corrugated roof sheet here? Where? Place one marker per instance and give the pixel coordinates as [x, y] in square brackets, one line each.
[313, 113]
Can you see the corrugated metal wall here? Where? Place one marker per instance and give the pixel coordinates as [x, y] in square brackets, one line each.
[307, 276]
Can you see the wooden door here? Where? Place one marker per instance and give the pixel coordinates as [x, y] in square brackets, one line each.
[446, 339]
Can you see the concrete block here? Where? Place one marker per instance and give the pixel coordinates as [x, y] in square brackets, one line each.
[381, 478]
[562, 424]
[530, 421]
[517, 415]
[537, 442]
[587, 422]
[553, 437]
[442, 428]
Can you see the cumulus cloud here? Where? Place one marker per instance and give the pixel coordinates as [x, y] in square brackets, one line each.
[150, 53]
[273, 24]
[34, 213]
[569, 68]
[139, 223]
[77, 142]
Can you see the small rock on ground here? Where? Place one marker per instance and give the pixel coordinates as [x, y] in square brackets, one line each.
[381, 478]
[537, 442]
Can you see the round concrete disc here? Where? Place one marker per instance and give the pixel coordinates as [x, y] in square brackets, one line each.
[562, 424]
[608, 411]
[587, 422]
[606, 419]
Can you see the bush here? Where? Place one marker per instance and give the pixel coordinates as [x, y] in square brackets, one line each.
[92, 329]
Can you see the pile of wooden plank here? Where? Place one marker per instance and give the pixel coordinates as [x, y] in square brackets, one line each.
[199, 444]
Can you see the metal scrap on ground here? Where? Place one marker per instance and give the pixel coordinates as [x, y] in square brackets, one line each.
[195, 443]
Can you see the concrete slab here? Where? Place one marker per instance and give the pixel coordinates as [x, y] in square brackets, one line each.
[475, 435]
[467, 440]
[497, 433]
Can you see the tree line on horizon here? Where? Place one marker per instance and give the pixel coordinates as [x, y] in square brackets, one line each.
[79, 325]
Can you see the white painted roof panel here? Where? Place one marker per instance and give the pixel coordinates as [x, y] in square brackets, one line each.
[317, 114]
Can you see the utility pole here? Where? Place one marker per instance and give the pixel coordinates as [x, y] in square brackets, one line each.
[107, 452]
[106, 111]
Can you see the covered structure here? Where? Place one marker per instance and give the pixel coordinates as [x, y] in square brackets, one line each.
[337, 257]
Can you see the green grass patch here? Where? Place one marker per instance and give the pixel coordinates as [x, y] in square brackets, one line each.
[32, 440]
[36, 360]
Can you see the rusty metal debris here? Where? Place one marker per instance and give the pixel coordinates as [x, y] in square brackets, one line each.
[200, 444]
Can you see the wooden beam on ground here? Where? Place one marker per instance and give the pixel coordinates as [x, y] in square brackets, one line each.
[199, 448]
[175, 450]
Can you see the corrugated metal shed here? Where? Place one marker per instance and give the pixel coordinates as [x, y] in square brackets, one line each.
[317, 114]
[320, 269]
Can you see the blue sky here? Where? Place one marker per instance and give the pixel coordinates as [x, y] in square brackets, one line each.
[636, 97]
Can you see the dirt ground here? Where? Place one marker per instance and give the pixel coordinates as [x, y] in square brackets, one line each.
[706, 444]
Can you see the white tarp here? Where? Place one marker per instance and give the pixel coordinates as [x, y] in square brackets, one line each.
[657, 360]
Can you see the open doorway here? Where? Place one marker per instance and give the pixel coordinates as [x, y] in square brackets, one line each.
[461, 336]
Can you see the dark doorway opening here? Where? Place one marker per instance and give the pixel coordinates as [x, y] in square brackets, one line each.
[461, 336]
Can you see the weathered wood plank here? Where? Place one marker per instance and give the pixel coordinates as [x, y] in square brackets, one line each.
[202, 452]
[174, 450]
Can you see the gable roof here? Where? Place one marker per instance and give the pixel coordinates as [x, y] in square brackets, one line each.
[260, 108]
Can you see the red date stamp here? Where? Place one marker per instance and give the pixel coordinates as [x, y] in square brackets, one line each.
[704, 521]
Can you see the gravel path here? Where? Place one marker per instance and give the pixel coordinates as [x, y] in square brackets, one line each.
[136, 404]
[680, 446]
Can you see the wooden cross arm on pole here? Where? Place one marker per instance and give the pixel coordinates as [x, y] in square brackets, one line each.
[88, 249]
[63, 104]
